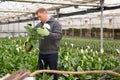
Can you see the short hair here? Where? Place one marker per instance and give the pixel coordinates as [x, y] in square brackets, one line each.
[41, 10]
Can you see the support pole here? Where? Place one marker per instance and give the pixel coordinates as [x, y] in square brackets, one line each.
[72, 27]
[113, 27]
[33, 19]
[19, 26]
[101, 25]
[80, 27]
[90, 27]
[57, 12]
[8, 26]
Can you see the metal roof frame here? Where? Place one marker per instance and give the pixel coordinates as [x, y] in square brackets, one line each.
[55, 7]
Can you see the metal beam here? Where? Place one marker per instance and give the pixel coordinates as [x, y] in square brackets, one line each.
[58, 7]
[55, 3]
[85, 1]
[92, 10]
[28, 12]
[15, 11]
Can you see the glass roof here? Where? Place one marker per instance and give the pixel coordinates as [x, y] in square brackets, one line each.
[12, 9]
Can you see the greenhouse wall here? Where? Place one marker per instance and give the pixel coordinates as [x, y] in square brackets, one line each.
[82, 27]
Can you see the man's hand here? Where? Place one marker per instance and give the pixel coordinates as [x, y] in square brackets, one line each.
[43, 31]
[28, 46]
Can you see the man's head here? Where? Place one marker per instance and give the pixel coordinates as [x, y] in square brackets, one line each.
[42, 14]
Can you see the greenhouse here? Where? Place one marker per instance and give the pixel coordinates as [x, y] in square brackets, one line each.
[89, 41]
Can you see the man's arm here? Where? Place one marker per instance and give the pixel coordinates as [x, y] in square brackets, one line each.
[57, 31]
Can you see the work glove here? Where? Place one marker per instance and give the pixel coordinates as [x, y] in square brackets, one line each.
[43, 31]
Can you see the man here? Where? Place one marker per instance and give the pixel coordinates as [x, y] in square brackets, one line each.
[51, 30]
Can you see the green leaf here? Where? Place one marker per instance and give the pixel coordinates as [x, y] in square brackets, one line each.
[79, 68]
[88, 77]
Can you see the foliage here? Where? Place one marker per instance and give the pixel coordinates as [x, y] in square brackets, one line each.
[109, 45]
[33, 36]
[13, 57]
[76, 59]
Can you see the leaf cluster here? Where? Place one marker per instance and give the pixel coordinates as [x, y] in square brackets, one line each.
[33, 36]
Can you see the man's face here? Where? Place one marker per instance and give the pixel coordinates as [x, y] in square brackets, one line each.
[42, 16]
